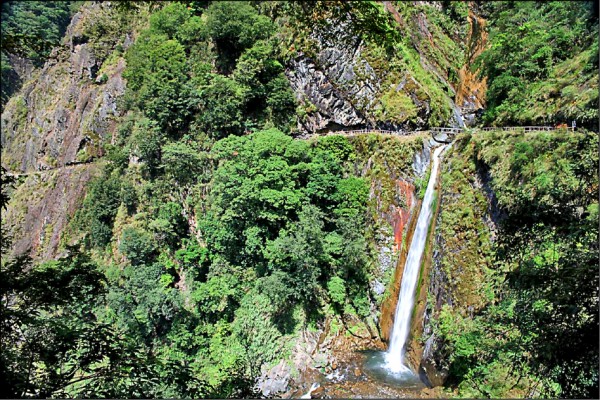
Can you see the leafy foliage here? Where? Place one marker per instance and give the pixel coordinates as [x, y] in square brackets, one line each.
[542, 63]
[531, 293]
[212, 237]
[30, 29]
[100, 209]
[171, 79]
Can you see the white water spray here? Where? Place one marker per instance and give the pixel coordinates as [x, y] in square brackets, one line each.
[394, 357]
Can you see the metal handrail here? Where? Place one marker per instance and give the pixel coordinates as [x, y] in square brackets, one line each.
[441, 129]
[527, 128]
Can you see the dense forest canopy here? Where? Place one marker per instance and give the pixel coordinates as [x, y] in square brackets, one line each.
[30, 29]
[211, 239]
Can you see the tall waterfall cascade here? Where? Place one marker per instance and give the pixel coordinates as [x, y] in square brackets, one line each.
[394, 358]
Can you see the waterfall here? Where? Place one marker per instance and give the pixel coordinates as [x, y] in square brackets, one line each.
[394, 357]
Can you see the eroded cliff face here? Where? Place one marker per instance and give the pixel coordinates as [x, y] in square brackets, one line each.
[338, 85]
[62, 110]
[41, 206]
[346, 82]
[470, 92]
[61, 117]
[403, 219]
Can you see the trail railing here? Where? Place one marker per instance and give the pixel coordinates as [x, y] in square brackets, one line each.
[528, 128]
[355, 132]
[451, 131]
[444, 134]
[440, 134]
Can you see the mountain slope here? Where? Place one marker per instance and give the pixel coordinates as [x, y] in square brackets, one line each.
[195, 233]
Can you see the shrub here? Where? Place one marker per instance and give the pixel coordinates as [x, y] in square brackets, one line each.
[137, 246]
[337, 290]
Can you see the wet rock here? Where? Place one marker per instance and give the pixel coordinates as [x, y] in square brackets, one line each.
[318, 392]
[422, 160]
[378, 287]
[274, 380]
[320, 360]
[357, 372]
[433, 362]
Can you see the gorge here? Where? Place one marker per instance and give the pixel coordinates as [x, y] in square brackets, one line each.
[334, 199]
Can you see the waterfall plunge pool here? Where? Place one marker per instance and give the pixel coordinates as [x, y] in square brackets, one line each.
[384, 374]
[375, 367]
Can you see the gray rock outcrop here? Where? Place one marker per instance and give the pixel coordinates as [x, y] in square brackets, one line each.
[339, 83]
[60, 117]
[339, 89]
[62, 111]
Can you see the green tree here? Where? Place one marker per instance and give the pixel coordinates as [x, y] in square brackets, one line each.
[258, 337]
[235, 27]
[170, 226]
[186, 165]
[221, 106]
[540, 55]
[100, 208]
[50, 335]
[157, 74]
[299, 251]
[138, 246]
[337, 290]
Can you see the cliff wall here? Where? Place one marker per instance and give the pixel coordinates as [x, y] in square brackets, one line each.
[63, 116]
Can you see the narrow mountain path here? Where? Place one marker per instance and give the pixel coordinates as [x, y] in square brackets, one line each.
[68, 166]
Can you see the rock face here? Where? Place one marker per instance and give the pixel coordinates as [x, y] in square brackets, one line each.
[274, 380]
[338, 82]
[41, 206]
[60, 117]
[343, 81]
[62, 111]
[21, 70]
[470, 93]
[333, 111]
[434, 363]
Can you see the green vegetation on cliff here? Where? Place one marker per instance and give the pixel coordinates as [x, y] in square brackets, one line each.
[171, 78]
[542, 63]
[524, 313]
[30, 29]
[212, 240]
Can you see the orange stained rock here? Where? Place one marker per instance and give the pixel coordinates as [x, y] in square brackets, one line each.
[402, 215]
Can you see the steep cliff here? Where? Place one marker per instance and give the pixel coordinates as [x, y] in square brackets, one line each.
[400, 77]
[64, 115]
[343, 74]
[231, 248]
[509, 251]
[460, 268]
